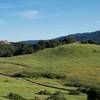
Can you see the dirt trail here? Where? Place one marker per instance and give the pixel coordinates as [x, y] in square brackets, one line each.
[37, 83]
[23, 65]
[55, 87]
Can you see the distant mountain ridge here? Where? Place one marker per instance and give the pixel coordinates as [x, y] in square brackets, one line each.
[29, 41]
[95, 36]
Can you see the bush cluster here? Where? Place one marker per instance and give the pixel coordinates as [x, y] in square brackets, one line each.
[93, 94]
[44, 92]
[13, 96]
[39, 74]
[74, 92]
[57, 96]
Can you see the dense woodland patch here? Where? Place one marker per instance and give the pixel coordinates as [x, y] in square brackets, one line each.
[14, 49]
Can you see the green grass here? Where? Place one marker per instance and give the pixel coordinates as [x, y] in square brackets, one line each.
[81, 62]
[27, 89]
[78, 62]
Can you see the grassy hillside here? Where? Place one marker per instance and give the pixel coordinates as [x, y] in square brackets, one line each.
[80, 63]
[29, 90]
[76, 61]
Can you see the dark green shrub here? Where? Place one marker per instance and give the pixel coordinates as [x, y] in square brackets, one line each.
[52, 75]
[26, 75]
[8, 54]
[18, 75]
[93, 94]
[91, 42]
[39, 74]
[49, 75]
[73, 83]
[57, 96]
[13, 96]
[69, 40]
[83, 89]
[74, 92]
[44, 92]
[84, 42]
[27, 49]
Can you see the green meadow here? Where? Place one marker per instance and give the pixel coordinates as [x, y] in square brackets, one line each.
[78, 62]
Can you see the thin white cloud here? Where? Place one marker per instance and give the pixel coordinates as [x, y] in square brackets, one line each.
[30, 14]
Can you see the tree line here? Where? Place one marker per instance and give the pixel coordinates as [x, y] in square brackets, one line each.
[15, 49]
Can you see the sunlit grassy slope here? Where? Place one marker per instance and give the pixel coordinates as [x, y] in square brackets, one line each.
[79, 62]
[29, 90]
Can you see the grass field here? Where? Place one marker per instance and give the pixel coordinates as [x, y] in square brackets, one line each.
[29, 90]
[79, 62]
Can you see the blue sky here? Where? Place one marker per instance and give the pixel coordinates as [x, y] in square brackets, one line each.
[45, 19]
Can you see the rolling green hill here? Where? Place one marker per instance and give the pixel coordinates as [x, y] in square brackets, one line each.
[81, 62]
[78, 62]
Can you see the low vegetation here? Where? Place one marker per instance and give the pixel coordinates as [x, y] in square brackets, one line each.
[38, 75]
[74, 92]
[57, 96]
[13, 96]
[44, 92]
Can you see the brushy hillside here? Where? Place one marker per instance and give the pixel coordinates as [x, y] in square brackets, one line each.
[29, 90]
[79, 62]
